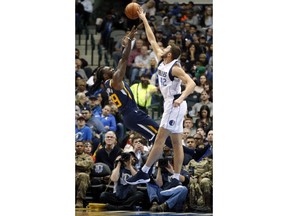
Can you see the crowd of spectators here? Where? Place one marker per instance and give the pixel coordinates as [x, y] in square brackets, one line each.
[99, 127]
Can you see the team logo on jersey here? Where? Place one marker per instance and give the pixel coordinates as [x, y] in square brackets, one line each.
[171, 122]
[98, 168]
[79, 136]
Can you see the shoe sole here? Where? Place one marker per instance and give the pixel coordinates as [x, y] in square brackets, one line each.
[140, 181]
[169, 191]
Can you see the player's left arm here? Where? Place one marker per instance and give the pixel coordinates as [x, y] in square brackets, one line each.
[186, 80]
[118, 76]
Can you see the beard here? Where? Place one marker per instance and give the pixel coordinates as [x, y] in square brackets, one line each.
[145, 84]
[164, 55]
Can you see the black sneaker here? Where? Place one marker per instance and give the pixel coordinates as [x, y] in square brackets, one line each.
[170, 187]
[139, 178]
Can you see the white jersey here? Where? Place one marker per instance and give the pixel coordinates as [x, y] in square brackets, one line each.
[169, 84]
[170, 87]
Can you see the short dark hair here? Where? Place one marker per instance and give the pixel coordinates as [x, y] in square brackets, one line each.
[175, 51]
[189, 137]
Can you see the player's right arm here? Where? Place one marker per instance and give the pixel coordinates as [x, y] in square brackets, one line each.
[150, 35]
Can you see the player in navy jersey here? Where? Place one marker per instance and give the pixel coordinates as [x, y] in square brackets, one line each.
[121, 94]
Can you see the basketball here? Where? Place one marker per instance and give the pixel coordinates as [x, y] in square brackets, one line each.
[131, 10]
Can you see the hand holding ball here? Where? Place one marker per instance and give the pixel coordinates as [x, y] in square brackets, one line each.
[131, 10]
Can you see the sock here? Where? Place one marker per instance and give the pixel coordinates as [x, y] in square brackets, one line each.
[176, 176]
[145, 169]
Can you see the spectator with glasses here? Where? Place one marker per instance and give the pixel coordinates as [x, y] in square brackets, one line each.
[201, 148]
[110, 150]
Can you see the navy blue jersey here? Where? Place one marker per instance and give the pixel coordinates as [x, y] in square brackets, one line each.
[123, 98]
[133, 118]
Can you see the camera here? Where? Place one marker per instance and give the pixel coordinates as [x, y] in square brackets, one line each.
[124, 158]
[163, 162]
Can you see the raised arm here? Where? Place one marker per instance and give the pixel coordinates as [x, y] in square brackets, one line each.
[150, 35]
[118, 76]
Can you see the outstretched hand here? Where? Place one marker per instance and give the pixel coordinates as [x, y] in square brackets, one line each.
[130, 36]
[132, 33]
[141, 13]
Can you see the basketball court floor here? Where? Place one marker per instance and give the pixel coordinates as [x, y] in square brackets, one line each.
[84, 212]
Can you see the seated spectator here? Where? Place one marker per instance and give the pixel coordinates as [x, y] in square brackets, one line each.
[140, 65]
[128, 140]
[166, 28]
[209, 152]
[79, 71]
[191, 144]
[77, 112]
[186, 132]
[200, 186]
[105, 28]
[124, 196]
[82, 132]
[144, 38]
[134, 52]
[81, 100]
[204, 101]
[201, 148]
[83, 61]
[143, 92]
[110, 150]
[95, 104]
[108, 119]
[201, 81]
[185, 63]
[152, 68]
[95, 125]
[83, 165]
[192, 99]
[160, 38]
[81, 87]
[200, 130]
[163, 200]
[134, 138]
[179, 40]
[141, 151]
[88, 150]
[206, 20]
[188, 123]
[204, 120]
[208, 87]
[149, 8]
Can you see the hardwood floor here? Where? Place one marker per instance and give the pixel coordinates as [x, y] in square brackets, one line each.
[85, 212]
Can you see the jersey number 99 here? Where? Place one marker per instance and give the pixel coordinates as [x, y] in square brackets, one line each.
[116, 100]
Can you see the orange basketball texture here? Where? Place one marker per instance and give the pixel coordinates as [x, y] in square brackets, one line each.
[131, 10]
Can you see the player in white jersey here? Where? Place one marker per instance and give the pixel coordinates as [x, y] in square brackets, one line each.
[170, 75]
